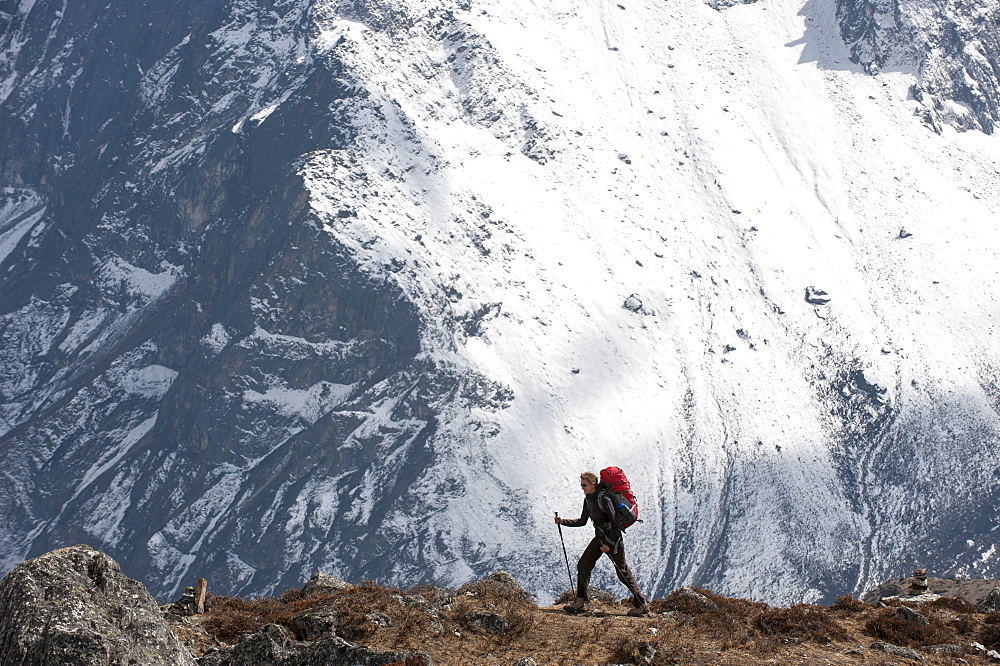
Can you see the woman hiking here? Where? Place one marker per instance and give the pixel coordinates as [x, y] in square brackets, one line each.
[598, 507]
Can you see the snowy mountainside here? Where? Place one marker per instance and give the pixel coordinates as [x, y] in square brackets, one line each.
[363, 286]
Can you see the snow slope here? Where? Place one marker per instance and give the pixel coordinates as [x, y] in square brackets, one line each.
[715, 165]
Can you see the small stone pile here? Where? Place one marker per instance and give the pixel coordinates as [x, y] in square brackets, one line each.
[192, 602]
[919, 585]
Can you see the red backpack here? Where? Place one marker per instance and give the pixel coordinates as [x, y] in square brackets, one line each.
[626, 510]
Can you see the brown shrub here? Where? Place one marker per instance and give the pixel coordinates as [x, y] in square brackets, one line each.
[849, 604]
[992, 618]
[565, 598]
[989, 636]
[964, 624]
[625, 650]
[515, 605]
[803, 620]
[957, 604]
[902, 632]
[355, 607]
[231, 617]
[493, 595]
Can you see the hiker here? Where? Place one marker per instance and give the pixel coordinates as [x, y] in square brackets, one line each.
[598, 507]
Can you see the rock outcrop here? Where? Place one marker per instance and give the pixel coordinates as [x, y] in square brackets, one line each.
[74, 606]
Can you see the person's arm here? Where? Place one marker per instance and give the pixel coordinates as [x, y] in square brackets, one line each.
[581, 521]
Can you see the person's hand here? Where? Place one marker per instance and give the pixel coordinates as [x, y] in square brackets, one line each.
[558, 520]
[605, 548]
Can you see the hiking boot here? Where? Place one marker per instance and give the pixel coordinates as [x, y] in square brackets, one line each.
[578, 606]
[640, 610]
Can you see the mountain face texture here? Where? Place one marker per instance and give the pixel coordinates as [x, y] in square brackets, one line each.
[953, 48]
[362, 286]
[74, 606]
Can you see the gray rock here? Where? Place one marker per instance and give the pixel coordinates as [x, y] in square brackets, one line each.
[910, 615]
[597, 594]
[816, 296]
[633, 303]
[687, 598]
[647, 652]
[271, 645]
[946, 649]
[502, 578]
[991, 602]
[898, 651]
[379, 619]
[74, 606]
[321, 582]
[316, 622]
[526, 661]
[491, 623]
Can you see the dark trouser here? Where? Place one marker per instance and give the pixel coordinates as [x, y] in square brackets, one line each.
[586, 565]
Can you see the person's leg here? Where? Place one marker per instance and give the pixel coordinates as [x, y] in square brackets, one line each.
[625, 575]
[585, 567]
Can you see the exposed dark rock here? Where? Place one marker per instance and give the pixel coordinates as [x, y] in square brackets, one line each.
[910, 615]
[321, 582]
[687, 599]
[315, 622]
[816, 296]
[502, 578]
[991, 602]
[492, 623]
[898, 651]
[75, 606]
[954, 47]
[633, 303]
[647, 652]
[719, 5]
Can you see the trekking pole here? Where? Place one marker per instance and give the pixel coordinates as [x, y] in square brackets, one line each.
[559, 525]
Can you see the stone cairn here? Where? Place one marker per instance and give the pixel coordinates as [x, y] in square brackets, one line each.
[192, 602]
[919, 584]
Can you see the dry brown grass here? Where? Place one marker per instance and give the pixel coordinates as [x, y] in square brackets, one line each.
[849, 604]
[883, 626]
[734, 632]
[231, 617]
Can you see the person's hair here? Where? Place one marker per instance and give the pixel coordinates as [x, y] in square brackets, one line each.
[589, 476]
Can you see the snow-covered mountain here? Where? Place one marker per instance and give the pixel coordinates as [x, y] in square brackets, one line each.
[363, 286]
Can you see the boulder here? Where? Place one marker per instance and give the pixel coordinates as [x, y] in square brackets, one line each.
[991, 602]
[321, 582]
[501, 578]
[946, 649]
[315, 622]
[688, 600]
[271, 645]
[898, 651]
[910, 615]
[491, 623]
[74, 606]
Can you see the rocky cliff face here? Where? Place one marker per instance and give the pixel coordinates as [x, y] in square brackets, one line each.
[362, 286]
[182, 342]
[952, 47]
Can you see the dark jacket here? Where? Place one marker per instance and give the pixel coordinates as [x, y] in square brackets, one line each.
[599, 508]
